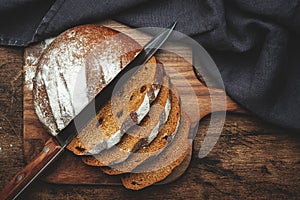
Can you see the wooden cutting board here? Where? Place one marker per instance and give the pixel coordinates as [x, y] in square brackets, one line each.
[69, 169]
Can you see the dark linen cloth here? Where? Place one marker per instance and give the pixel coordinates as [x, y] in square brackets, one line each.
[255, 43]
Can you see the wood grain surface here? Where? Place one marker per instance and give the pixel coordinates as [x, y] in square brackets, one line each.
[252, 159]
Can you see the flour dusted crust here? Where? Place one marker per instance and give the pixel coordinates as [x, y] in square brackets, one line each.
[75, 67]
[138, 136]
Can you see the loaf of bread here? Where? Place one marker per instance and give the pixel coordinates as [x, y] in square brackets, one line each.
[74, 67]
[140, 131]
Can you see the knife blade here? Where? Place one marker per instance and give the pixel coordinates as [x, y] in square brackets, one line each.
[54, 147]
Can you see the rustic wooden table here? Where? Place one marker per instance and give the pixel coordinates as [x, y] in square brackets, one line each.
[252, 159]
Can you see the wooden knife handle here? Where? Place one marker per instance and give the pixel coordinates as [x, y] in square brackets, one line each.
[22, 179]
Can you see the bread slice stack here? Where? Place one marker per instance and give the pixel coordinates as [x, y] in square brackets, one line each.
[140, 132]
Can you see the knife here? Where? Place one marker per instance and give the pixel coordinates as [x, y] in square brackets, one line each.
[54, 147]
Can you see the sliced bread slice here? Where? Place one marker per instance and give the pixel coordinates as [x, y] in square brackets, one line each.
[138, 135]
[159, 168]
[127, 108]
[149, 152]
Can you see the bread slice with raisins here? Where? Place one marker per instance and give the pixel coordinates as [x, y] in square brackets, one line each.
[139, 135]
[164, 137]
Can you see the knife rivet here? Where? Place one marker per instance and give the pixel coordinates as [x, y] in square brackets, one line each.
[47, 149]
[19, 177]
